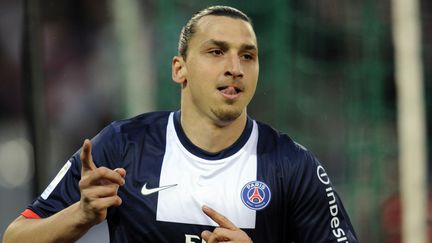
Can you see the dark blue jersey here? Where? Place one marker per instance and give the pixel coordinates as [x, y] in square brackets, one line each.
[265, 183]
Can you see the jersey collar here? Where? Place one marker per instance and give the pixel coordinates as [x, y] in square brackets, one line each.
[192, 148]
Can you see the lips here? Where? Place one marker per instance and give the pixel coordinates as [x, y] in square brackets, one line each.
[230, 92]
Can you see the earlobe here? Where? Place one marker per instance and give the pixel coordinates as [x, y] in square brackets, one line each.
[179, 70]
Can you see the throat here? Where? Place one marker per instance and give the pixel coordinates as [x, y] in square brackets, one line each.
[212, 137]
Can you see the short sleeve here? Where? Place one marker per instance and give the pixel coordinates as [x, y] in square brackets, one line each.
[318, 212]
[63, 190]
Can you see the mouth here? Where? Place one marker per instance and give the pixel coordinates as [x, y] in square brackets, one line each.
[230, 92]
[230, 89]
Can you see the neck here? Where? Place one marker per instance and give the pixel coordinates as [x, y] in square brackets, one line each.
[208, 134]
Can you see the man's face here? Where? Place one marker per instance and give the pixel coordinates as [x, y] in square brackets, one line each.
[221, 69]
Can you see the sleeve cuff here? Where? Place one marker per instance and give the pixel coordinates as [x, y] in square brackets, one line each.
[28, 213]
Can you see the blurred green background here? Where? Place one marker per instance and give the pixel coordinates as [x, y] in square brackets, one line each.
[326, 79]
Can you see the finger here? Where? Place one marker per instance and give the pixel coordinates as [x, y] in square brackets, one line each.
[94, 192]
[121, 171]
[103, 176]
[86, 157]
[105, 202]
[221, 220]
[218, 235]
[206, 235]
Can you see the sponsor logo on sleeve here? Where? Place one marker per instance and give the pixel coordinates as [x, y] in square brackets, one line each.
[336, 229]
[256, 195]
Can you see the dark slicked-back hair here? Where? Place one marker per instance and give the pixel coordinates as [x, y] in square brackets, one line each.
[190, 28]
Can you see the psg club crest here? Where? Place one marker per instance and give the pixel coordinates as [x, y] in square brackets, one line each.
[256, 195]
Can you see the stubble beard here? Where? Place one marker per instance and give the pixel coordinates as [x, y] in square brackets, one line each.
[226, 115]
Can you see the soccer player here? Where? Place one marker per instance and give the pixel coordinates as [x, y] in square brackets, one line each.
[205, 173]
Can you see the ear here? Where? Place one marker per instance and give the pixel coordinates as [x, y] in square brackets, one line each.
[179, 70]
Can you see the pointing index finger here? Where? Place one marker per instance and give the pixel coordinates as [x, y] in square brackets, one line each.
[86, 157]
[223, 221]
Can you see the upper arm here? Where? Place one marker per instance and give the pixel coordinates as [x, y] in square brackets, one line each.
[318, 215]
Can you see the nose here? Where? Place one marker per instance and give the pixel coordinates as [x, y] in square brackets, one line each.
[234, 67]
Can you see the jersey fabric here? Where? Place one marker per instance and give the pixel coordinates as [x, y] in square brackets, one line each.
[265, 183]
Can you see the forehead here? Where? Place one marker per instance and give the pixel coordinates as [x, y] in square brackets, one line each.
[222, 28]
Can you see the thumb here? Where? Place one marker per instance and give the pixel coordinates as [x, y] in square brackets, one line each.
[206, 235]
[86, 157]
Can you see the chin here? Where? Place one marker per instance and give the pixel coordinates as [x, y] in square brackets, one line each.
[226, 115]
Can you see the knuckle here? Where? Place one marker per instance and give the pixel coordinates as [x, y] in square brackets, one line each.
[217, 230]
[112, 189]
[118, 201]
[85, 196]
[102, 171]
[83, 184]
[84, 181]
[115, 188]
[94, 206]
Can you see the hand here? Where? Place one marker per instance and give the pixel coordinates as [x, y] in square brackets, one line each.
[98, 187]
[226, 232]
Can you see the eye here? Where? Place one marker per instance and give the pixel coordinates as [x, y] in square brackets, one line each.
[216, 52]
[248, 57]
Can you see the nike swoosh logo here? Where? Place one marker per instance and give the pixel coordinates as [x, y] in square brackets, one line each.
[145, 191]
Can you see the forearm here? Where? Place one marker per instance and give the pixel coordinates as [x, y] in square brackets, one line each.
[64, 226]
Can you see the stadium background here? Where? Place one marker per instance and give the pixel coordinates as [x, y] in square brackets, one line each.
[326, 79]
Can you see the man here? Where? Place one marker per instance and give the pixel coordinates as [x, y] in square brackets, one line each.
[206, 173]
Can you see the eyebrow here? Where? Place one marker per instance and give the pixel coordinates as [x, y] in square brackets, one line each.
[225, 46]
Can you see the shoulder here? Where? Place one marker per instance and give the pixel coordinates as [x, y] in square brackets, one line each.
[151, 119]
[116, 139]
[282, 156]
[134, 127]
[273, 141]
